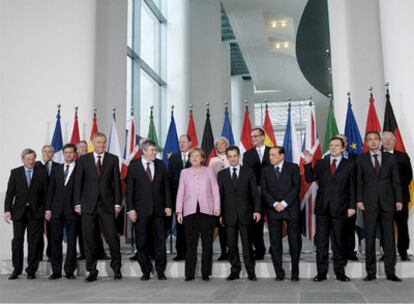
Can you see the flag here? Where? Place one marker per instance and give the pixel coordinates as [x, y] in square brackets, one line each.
[290, 142]
[171, 144]
[245, 140]
[207, 144]
[57, 141]
[373, 123]
[93, 131]
[331, 128]
[227, 131]
[191, 131]
[270, 139]
[113, 142]
[152, 133]
[75, 138]
[308, 191]
[390, 124]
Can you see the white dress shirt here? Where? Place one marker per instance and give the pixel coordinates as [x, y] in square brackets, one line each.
[71, 167]
[261, 152]
[152, 167]
[338, 160]
[95, 155]
[237, 170]
[373, 159]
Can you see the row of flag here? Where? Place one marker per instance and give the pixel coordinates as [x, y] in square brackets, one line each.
[294, 153]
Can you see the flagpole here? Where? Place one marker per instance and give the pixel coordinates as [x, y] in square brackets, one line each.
[172, 215]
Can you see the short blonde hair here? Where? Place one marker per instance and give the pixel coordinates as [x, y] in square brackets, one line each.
[199, 150]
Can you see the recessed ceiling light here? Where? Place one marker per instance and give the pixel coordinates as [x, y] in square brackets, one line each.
[283, 24]
[274, 24]
[286, 44]
[277, 45]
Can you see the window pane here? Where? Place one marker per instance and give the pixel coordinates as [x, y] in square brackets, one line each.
[150, 91]
[130, 23]
[128, 88]
[150, 38]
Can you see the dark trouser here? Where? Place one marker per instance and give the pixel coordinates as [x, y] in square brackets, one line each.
[276, 244]
[180, 245]
[258, 240]
[386, 220]
[232, 242]
[58, 225]
[401, 220]
[349, 236]
[199, 224]
[150, 233]
[222, 236]
[34, 228]
[99, 241]
[110, 233]
[42, 242]
[328, 226]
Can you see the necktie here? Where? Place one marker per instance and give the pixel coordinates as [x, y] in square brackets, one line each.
[184, 160]
[277, 172]
[65, 173]
[234, 176]
[99, 165]
[47, 167]
[260, 154]
[29, 177]
[333, 167]
[377, 164]
[148, 171]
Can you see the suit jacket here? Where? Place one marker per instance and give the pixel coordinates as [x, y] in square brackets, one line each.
[41, 165]
[18, 194]
[336, 194]
[287, 188]
[240, 200]
[60, 199]
[251, 160]
[406, 174]
[381, 191]
[145, 197]
[91, 188]
[203, 189]
[175, 165]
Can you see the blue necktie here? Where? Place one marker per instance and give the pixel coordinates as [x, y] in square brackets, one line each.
[29, 177]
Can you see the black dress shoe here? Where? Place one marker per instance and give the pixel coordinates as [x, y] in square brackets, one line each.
[370, 278]
[352, 257]
[393, 278]
[294, 278]
[55, 276]
[161, 276]
[31, 276]
[205, 278]
[279, 278]
[14, 275]
[189, 279]
[145, 277]
[252, 277]
[232, 277]
[405, 258]
[93, 276]
[381, 258]
[343, 278]
[103, 257]
[259, 257]
[319, 278]
[223, 257]
[70, 276]
[117, 275]
[178, 258]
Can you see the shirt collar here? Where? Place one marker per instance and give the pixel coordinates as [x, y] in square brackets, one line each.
[96, 154]
[372, 153]
[144, 161]
[237, 167]
[71, 165]
[338, 158]
[280, 166]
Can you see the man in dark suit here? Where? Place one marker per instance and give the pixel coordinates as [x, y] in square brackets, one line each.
[406, 175]
[148, 200]
[60, 212]
[378, 195]
[82, 149]
[98, 195]
[176, 163]
[258, 158]
[24, 204]
[240, 204]
[48, 165]
[280, 186]
[335, 202]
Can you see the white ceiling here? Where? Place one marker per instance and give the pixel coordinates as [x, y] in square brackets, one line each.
[271, 69]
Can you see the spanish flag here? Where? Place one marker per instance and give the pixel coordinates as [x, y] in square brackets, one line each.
[270, 139]
[93, 131]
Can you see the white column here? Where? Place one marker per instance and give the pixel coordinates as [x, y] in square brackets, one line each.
[398, 45]
[356, 56]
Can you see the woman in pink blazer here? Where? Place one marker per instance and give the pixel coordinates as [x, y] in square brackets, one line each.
[198, 205]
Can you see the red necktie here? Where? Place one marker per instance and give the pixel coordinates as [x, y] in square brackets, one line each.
[148, 171]
[99, 165]
[377, 164]
[333, 167]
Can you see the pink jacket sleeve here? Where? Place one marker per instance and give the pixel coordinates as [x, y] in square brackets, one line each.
[180, 194]
[214, 189]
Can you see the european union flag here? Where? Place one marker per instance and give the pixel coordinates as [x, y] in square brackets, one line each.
[171, 144]
[227, 132]
[355, 143]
